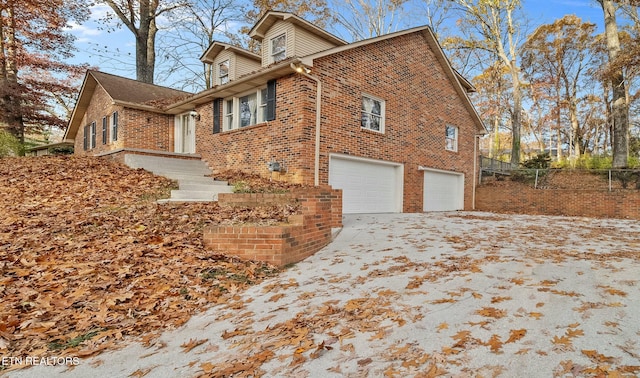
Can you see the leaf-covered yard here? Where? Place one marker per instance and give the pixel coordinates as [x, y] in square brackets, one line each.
[88, 257]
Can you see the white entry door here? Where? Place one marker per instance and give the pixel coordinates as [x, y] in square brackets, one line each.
[185, 134]
[443, 191]
[368, 186]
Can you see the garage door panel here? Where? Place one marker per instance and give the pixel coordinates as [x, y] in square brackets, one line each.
[443, 191]
[367, 186]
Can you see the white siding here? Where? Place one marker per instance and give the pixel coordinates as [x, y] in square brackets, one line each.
[224, 55]
[280, 27]
[307, 43]
[245, 66]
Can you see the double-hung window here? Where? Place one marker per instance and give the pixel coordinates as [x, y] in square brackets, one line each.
[279, 48]
[372, 113]
[228, 114]
[451, 138]
[114, 127]
[247, 110]
[223, 72]
[104, 130]
[93, 134]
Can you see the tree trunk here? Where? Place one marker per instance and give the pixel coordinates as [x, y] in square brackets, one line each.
[516, 117]
[145, 44]
[144, 33]
[619, 108]
[11, 105]
[575, 128]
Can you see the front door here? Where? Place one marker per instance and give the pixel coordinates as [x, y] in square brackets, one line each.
[185, 134]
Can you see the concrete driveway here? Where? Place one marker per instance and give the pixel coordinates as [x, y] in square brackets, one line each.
[443, 294]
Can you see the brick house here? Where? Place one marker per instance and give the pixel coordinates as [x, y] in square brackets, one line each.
[114, 114]
[387, 119]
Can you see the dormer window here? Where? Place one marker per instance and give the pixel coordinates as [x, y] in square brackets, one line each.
[223, 72]
[279, 47]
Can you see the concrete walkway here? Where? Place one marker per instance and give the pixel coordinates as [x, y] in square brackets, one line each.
[447, 294]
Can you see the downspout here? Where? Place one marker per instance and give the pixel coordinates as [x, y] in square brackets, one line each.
[476, 139]
[304, 71]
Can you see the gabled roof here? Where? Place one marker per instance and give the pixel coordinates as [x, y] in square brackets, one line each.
[252, 80]
[462, 85]
[217, 47]
[123, 91]
[271, 17]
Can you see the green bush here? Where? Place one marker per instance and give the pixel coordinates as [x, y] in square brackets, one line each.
[540, 161]
[10, 145]
[61, 150]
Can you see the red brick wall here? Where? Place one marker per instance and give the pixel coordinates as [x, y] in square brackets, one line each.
[136, 128]
[146, 130]
[588, 203]
[287, 139]
[99, 107]
[282, 244]
[420, 102]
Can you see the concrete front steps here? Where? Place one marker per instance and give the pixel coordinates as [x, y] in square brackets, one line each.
[194, 182]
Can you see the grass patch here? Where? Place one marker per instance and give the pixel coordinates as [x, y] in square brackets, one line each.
[57, 345]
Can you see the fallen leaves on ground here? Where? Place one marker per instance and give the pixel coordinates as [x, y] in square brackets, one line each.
[254, 183]
[88, 257]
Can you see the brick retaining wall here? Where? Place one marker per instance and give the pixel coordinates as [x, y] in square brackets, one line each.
[283, 244]
[623, 204]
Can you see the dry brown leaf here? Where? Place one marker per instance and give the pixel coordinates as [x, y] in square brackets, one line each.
[141, 372]
[491, 312]
[597, 357]
[495, 343]
[76, 217]
[192, 343]
[276, 297]
[516, 335]
[563, 340]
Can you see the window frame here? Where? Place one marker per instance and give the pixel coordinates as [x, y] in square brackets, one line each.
[380, 116]
[282, 50]
[223, 79]
[232, 120]
[105, 122]
[92, 132]
[114, 127]
[451, 143]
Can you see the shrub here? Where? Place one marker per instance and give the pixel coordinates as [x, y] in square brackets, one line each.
[61, 150]
[540, 161]
[10, 145]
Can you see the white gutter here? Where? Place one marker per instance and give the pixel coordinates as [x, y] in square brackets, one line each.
[302, 70]
[476, 138]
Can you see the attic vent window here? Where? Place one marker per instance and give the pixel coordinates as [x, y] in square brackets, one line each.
[279, 47]
[223, 72]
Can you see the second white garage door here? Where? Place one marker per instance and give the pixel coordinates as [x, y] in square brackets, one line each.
[443, 191]
[368, 186]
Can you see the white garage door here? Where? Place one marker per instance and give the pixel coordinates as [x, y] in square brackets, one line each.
[368, 186]
[443, 191]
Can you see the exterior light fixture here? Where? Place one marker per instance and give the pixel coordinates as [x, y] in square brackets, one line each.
[302, 69]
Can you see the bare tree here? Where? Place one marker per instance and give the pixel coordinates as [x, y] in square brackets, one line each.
[193, 29]
[497, 31]
[368, 18]
[619, 107]
[140, 17]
